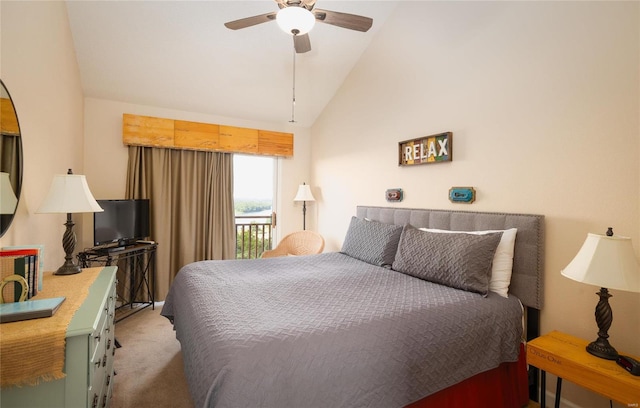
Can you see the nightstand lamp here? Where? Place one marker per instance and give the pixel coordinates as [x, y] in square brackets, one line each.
[69, 193]
[609, 262]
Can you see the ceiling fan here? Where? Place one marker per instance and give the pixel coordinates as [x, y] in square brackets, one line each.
[297, 17]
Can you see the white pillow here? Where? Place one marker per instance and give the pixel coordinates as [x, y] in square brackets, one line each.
[502, 260]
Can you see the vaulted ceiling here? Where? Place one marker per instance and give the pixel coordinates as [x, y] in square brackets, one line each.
[179, 55]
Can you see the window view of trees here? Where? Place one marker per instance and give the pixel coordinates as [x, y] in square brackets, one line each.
[243, 207]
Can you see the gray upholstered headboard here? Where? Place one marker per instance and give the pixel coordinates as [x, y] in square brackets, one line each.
[528, 259]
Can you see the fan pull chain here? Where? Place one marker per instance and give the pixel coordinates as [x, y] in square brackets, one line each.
[293, 100]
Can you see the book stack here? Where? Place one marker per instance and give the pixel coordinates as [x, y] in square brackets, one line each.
[24, 263]
[40, 249]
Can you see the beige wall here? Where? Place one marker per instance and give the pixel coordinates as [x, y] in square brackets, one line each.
[542, 100]
[106, 157]
[39, 68]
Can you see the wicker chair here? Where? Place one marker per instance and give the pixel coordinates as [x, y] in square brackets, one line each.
[297, 243]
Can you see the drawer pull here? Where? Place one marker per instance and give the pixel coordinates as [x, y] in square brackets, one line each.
[104, 401]
[98, 337]
[108, 379]
[95, 401]
[108, 344]
[98, 363]
[104, 360]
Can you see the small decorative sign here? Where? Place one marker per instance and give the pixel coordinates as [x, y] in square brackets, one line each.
[394, 194]
[465, 195]
[426, 150]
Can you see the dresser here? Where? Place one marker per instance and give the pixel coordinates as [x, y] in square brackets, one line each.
[89, 355]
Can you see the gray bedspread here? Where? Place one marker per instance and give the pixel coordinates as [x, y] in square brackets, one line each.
[328, 330]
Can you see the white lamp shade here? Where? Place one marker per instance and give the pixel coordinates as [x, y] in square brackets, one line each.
[607, 262]
[295, 18]
[304, 193]
[8, 199]
[69, 193]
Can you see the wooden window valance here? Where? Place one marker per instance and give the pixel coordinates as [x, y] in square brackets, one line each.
[178, 134]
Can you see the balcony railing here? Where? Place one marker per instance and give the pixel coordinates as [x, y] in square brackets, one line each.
[253, 236]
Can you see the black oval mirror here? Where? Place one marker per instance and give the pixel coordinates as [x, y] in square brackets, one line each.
[10, 160]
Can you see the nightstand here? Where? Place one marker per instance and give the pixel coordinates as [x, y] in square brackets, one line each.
[566, 357]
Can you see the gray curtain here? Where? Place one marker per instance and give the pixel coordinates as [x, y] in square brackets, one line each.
[191, 198]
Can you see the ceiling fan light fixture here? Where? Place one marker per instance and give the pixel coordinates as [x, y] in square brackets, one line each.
[295, 20]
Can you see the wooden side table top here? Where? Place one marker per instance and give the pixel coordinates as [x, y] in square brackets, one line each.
[566, 357]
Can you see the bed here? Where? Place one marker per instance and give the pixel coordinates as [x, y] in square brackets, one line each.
[401, 315]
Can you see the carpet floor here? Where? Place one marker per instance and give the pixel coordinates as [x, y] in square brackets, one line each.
[149, 368]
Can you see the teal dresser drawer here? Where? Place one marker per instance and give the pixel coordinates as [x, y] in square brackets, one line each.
[89, 355]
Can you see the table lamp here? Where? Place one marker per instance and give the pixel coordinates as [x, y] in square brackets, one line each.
[304, 195]
[609, 262]
[69, 193]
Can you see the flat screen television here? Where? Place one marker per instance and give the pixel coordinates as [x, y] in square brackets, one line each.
[122, 222]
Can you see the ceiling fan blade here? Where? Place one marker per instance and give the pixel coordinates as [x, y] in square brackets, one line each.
[302, 43]
[344, 20]
[308, 4]
[250, 21]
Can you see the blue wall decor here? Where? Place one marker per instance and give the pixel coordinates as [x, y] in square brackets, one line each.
[465, 195]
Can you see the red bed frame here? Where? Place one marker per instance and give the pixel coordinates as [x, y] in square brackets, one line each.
[505, 386]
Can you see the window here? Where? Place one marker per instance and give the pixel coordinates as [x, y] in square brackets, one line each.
[254, 201]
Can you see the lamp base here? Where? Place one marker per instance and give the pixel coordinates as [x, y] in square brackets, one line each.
[68, 244]
[601, 348]
[68, 269]
[604, 316]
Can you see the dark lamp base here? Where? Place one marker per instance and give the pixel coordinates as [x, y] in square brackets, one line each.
[68, 244]
[601, 348]
[604, 316]
[68, 269]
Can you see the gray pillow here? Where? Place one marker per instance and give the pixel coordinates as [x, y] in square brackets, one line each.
[461, 261]
[371, 241]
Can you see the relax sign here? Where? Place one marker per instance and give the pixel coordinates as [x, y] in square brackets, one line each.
[429, 149]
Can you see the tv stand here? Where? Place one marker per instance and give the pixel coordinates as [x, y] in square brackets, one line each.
[116, 249]
[136, 274]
